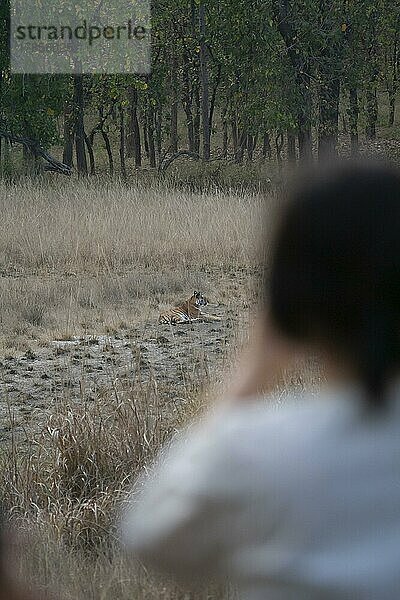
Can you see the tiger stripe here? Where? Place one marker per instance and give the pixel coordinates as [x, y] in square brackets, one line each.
[187, 312]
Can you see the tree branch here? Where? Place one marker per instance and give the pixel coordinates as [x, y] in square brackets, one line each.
[37, 150]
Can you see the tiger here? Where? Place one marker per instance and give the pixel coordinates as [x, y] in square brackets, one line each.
[187, 312]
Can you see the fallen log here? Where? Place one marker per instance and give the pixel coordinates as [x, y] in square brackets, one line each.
[36, 149]
[165, 163]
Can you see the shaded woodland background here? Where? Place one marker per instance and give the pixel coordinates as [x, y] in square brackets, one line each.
[232, 81]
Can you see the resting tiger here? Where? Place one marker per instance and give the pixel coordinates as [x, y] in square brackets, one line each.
[187, 312]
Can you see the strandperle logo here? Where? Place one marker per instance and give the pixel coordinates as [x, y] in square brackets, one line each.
[89, 36]
[84, 32]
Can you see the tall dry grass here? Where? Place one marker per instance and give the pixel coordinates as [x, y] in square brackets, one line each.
[79, 255]
[101, 225]
[64, 491]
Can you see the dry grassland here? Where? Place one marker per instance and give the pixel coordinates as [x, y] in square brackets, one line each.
[90, 386]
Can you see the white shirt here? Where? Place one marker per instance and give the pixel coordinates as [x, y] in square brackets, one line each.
[300, 501]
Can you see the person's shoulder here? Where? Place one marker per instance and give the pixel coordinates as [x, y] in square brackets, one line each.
[239, 442]
[276, 415]
[263, 430]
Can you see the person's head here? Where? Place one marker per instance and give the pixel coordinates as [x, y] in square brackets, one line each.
[335, 277]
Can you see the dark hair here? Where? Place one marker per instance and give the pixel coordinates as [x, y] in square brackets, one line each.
[335, 276]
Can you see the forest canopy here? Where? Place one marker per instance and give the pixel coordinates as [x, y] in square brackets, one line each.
[228, 79]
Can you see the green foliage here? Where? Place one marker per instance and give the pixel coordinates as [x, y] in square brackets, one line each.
[31, 105]
[257, 78]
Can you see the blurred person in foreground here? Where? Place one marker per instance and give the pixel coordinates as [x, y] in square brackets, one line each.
[300, 500]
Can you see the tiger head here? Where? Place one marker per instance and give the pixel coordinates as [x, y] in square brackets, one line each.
[199, 300]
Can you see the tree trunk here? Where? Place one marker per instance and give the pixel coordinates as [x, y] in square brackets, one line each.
[224, 121]
[328, 115]
[213, 99]
[196, 120]
[32, 166]
[159, 122]
[91, 155]
[291, 146]
[393, 84]
[392, 107]
[174, 106]
[371, 110]
[330, 72]
[122, 141]
[235, 140]
[371, 103]
[79, 109]
[150, 135]
[5, 166]
[133, 141]
[304, 138]
[204, 78]
[195, 86]
[353, 120]
[267, 150]
[242, 145]
[109, 151]
[187, 103]
[301, 69]
[146, 135]
[279, 142]
[69, 123]
[224, 139]
[250, 148]
[136, 139]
